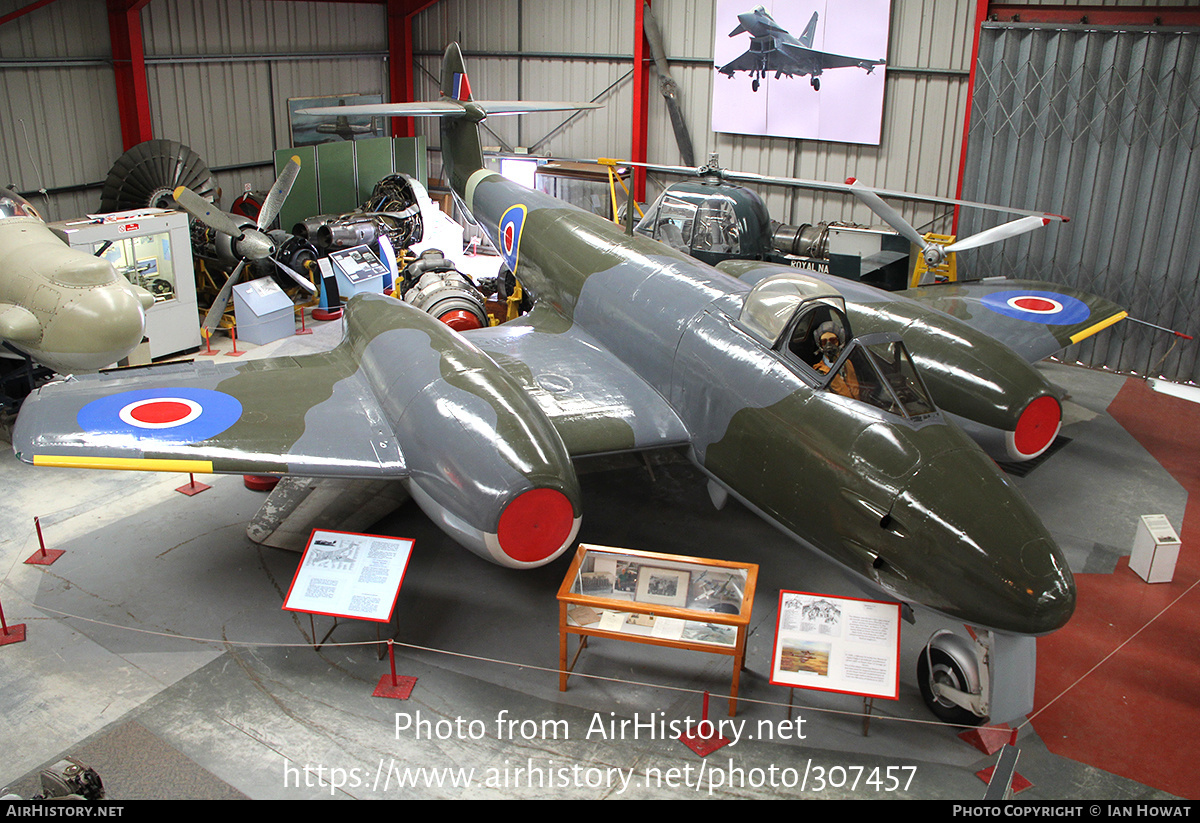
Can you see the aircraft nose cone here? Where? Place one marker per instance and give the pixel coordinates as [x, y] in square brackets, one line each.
[94, 331]
[987, 556]
[1050, 602]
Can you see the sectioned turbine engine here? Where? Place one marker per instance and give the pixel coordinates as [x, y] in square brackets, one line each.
[433, 285]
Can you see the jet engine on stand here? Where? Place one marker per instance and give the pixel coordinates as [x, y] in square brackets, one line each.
[434, 285]
[393, 210]
[429, 281]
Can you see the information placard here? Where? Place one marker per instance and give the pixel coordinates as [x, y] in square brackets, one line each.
[343, 574]
[837, 644]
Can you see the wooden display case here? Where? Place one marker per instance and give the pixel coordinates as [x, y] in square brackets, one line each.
[662, 599]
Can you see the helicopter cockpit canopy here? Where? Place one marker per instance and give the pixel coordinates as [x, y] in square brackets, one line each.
[14, 205]
[708, 222]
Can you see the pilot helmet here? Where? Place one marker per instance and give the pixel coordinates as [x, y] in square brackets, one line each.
[827, 338]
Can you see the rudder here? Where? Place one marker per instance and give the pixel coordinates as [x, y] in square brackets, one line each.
[462, 153]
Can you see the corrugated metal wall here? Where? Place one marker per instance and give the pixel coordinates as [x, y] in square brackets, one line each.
[929, 58]
[219, 75]
[59, 126]
[1102, 125]
[220, 72]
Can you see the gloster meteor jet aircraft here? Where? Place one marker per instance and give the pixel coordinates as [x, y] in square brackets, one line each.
[830, 434]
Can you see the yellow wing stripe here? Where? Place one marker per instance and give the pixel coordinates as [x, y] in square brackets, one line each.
[126, 463]
[1098, 327]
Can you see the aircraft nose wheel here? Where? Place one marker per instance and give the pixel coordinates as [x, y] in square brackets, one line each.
[939, 667]
[816, 83]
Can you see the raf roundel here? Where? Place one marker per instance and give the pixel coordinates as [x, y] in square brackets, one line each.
[175, 415]
[1039, 307]
[511, 223]
[160, 412]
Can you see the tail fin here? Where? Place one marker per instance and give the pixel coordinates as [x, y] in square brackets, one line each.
[454, 75]
[806, 39]
[462, 153]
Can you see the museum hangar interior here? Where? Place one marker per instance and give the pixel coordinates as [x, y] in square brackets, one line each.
[178, 646]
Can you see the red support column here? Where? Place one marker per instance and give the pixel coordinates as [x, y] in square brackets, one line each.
[400, 14]
[129, 68]
[981, 12]
[641, 101]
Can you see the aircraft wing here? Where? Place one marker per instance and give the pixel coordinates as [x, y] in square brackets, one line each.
[338, 413]
[597, 404]
[820, 60]
[747, 61]
[313, 415]
[1033, 318]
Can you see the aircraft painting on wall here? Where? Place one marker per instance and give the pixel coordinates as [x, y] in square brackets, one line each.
[838, 50]
[634, 346]
[774, 51]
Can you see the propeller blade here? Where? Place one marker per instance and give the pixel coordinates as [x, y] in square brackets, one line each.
[279, 192]
[886, 213]
[998, 233]
[206, 212]
[300, 279]
[218, 307]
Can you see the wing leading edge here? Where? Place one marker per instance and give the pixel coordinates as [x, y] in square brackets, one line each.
[315, 415]
[342, 413]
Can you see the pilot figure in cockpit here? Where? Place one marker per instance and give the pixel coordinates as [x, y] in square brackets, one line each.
[845, 382]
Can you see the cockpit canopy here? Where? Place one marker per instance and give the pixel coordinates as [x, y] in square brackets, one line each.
[709, 222]
[14, 205]
[804, 320]
[877, 369]
[776, 301]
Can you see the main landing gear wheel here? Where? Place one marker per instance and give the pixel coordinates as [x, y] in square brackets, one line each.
[936, 666]
[816, 83]
[754, 84]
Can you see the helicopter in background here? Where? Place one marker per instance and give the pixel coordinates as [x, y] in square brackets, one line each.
[713, 219]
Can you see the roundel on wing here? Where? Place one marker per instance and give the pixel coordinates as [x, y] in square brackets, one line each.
[169, 415]
[1038, 307]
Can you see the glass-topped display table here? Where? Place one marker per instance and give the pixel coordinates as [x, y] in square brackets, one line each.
[661, 599]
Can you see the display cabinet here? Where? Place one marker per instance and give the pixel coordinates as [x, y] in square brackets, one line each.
[662, 599]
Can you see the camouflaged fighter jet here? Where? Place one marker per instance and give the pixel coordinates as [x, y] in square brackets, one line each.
[631, 345]
[68, 310]
[774, 49]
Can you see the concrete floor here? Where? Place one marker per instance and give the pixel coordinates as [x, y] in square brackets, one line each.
[158, 653]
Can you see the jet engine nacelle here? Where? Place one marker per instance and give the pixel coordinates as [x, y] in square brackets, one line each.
[482, 459]
[1002, 402]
